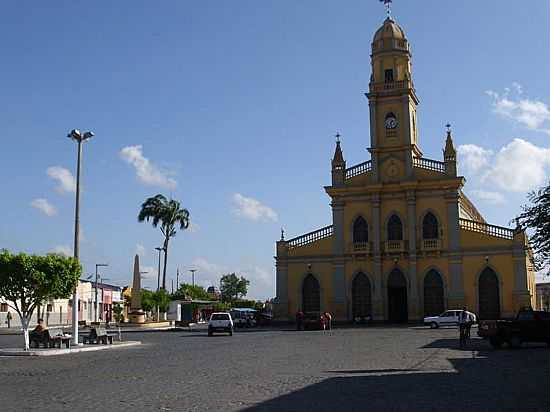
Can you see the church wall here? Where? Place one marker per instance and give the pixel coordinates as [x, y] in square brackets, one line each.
[320, 247]
[503, 265]
[470, 239]
[297, 272]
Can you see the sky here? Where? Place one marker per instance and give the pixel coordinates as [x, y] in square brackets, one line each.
[231, 107]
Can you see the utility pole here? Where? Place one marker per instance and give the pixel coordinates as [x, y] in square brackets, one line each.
[79, 138]
[193, 275]
[177, 278]
[172, 286]
[96, 277]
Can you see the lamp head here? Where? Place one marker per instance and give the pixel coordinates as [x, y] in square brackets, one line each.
[87, 135]
[74, 134]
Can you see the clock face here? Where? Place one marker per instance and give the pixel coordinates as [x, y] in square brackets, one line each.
[391, 122]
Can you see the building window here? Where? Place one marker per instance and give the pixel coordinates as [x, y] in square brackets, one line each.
[395, 228]
[3, 307]
[430, 227]
[388, 76]
[360, 231]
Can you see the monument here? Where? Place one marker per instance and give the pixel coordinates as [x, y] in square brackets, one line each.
[136, 314]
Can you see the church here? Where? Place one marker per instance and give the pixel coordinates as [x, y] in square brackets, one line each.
[405, 242]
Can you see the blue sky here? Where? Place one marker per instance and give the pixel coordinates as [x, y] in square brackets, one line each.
[231, 107]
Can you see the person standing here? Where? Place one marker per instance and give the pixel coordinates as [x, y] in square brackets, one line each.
[463, 327]
[299, 320]
[328, 320]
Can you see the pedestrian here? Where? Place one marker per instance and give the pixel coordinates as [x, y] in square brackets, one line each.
[463, 327]
[328, 320]
[323, 322]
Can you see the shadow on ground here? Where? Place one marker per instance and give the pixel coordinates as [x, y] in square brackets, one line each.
[487, 380]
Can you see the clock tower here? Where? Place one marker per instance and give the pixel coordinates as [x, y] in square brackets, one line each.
[393, 103]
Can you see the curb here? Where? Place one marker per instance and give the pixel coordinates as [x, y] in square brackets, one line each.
[53, 352]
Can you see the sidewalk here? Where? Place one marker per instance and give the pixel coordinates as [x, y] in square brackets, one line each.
[74, 349]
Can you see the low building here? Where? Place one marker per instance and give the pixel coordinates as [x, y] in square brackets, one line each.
[543, 296]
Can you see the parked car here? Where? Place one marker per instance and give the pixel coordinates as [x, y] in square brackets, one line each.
[243, 318]
[528, 326]
[220, 322]
[447, 318]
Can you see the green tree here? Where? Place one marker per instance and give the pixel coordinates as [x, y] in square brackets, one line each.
[118, 309]
[232, 287]
[536, 217]
[162, 300]
[147, 300]
[28, 280]
[187, 291]
[168, 215]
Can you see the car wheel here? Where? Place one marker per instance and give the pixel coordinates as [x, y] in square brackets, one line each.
[434, 325]
[515, 341]
[495, 342]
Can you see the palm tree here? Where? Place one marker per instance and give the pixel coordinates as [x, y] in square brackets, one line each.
[167, 214]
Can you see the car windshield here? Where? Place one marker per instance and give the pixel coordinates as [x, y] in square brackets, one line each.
[220, 316]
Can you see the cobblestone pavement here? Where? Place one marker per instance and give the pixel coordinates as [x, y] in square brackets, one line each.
[375, 369]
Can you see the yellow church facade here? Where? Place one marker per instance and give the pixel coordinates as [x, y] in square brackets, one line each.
[405, 241]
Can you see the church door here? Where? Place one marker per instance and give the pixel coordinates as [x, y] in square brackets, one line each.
[311, 295]
[489, 295]
[434, 297]
[361, 297]
[397, 297]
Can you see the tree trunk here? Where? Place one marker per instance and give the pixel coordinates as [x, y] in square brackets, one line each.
[25, 324]
[165, 262]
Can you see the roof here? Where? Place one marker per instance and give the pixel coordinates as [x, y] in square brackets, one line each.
[389, 30]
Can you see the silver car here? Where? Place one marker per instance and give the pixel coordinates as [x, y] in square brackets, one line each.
[447, 318]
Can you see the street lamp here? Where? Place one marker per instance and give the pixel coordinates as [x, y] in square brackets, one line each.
[79, 138]
[96, 276]
[160, 249]
[193, 275]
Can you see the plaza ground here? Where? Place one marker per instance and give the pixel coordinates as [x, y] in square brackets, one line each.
[375, 369]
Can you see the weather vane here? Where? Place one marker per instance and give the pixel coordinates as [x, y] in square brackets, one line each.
[387, 3]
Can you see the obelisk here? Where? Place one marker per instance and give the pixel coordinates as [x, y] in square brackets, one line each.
[136, 314]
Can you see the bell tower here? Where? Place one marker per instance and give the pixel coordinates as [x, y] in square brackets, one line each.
[393, 103]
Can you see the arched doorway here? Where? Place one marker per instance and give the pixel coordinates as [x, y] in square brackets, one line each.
[397, 297]
[434, 295]
[489, 295]
[361, 297]
[311, 295]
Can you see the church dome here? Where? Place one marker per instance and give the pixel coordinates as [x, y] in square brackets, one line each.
[389, 36]
[389, 30]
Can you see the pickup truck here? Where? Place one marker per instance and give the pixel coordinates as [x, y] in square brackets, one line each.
[528, 326]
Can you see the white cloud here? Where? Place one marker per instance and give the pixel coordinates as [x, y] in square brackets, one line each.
[147, 172]
[494, 198]
[519, 166]
[533, 114]
[64, 250]
[44, 206]
[66, 182]
[140, 250]
[252, 209]
[473, 157]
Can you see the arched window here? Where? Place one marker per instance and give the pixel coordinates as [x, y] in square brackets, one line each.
[360, 231]
[395, 228]
[434, 297]
[361, 296]
[489, 295]
[311, 295]
[430, 227]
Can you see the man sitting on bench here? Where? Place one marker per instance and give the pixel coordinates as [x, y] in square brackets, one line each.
[39, 334]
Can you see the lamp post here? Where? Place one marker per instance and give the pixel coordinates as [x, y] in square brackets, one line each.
[96, 276]
[79, 138]
[193, 275]
[160, 249]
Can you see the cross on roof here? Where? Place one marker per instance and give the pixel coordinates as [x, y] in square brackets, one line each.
[337, 137]
[387, 3]
[448, 126]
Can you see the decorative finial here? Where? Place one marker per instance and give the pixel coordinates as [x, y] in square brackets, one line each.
[448, 126]
[337, 137]
[387, 3]
[282, 233]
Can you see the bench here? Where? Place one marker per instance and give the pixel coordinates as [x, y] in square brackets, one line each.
[56, 338]
[98, 335]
